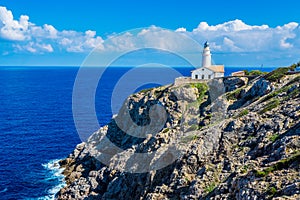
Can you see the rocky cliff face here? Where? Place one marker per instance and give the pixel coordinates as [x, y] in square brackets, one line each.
[243, 144]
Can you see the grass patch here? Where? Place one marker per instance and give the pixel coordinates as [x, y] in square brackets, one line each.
[270, 106]
[275, 137]
[234, 95]
[254, 72]
[272, 191]
[277, 74]
[208, 116]
[158, 93]
[202, 90]
[210, 188]
[166, 130]
[189, 138]
[244, 169]
[284, 163]
[293, 94]
[193, 127]
[294, 66]
[275, 93]
[195, 137]
[146, 90]
[242, 113]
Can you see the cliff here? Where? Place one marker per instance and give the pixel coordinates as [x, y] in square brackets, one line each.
[233, 139]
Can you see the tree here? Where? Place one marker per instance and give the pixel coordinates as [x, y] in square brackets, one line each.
[293, 67]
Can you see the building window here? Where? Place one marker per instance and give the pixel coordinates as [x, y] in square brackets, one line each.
[196, 76]
[209, 76]
[202, 76]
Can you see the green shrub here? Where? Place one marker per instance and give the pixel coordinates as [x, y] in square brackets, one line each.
[293, 67]
[202, 89]
[244, 169]
[146, 90]
[275, 93]
[260, 173]
[293, 94]
[270, 106]
[246, 72]
[284, 163]
[243, 113]
[166, 130]
[195, 137]
[208, 116]
[193, 127]
[234, 94]
[272, 191]
[256, 72]
[189, 138]
[277, 74]
[273, 138]
[210, 188]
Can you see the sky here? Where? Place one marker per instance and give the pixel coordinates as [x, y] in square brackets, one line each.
[254, 33]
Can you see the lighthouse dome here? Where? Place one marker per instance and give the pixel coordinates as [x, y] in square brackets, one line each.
[206, 44]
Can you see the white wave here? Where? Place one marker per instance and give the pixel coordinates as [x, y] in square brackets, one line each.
[55, 173]
[4, 190]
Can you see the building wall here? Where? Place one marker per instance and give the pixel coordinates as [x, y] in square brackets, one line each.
[219, 74]
[185, 80]
[203, 74]
[239, 73]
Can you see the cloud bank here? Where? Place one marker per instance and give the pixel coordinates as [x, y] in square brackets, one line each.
[233, 37]
[26, 36]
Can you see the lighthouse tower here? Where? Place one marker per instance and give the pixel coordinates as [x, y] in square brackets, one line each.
[206, 56]
[207, 70]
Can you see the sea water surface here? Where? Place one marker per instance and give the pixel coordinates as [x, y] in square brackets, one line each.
[37, 127]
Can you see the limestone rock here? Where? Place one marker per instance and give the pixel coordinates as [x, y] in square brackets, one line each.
[224, 152]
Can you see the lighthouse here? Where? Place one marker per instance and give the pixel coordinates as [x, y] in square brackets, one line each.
[206, 55]
[207, 70]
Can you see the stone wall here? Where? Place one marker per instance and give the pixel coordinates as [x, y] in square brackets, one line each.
[184, 80]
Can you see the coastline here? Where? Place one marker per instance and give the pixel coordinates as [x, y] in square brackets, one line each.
[234, 157]
[55, 174]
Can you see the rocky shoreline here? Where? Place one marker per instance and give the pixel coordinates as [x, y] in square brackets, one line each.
[238, 139]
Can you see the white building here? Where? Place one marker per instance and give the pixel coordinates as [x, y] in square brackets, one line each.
[207, 70]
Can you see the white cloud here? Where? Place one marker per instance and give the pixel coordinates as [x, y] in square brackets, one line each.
[12, 29]
[236, 25]
[74, 41]
[38, 39]
[50, 31]
[284, 44]
[231, 45]
[289, 26]
[46, 47]
[236, 36]
[182, 29]
[33, 47]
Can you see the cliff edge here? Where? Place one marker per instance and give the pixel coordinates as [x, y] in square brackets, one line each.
[236, 139]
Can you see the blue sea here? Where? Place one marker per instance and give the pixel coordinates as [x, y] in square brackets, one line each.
[37, 127]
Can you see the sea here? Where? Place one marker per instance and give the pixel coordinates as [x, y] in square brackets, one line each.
[37, 127]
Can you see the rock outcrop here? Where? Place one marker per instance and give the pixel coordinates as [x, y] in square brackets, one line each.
[243, 144]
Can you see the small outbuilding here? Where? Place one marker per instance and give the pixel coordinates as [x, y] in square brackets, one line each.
[239, 73]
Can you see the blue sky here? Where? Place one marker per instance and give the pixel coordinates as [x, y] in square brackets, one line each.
[64, 32]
